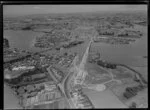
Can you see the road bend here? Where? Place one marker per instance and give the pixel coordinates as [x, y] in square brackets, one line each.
[65, 84]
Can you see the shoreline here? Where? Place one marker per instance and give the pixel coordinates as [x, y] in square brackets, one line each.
[143, 80]
[10, 93]
[118, 64]
[105, 95]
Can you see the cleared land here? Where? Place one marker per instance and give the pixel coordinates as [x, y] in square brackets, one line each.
[96, 74]
[122, 73]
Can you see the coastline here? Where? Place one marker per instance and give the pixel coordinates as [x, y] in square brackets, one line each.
[106, 96]
[10, 98]
[140, 75]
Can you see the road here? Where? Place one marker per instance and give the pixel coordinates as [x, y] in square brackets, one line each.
[85, 56]
[65, 85]
[51, 74]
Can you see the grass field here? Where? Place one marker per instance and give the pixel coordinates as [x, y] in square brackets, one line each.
[96, 74]
[95, 69]
[121, 73]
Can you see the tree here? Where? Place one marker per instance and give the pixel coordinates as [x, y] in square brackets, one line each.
[133, 105]
[65, 53]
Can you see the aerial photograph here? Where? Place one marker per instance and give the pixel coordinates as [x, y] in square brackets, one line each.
[75, 56]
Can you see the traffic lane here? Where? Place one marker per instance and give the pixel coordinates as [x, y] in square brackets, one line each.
[66, 85]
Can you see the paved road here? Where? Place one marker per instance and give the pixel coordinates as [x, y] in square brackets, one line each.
[51, 74]
[65, 85]
[81, 69]
[85, 56]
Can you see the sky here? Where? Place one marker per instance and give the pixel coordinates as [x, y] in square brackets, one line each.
[9, 10]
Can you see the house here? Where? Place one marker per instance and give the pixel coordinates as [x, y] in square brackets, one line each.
[35, 76]
[49, 87]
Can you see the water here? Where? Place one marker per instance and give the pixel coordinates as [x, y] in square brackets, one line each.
[103, 99]
[10, 100]
[22, 39]
[130, 55]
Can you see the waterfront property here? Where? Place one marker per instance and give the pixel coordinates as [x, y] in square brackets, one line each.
[47, 95]
[58, 34]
